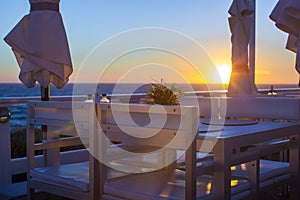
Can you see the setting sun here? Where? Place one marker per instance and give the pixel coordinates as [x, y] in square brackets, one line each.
[224, 72]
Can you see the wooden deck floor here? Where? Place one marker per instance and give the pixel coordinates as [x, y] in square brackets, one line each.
[40, 196]
[18, 192]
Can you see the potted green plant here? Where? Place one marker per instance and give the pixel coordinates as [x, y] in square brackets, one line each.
[161, 93]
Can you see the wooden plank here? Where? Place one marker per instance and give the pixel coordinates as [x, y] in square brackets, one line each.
[59, 110]
[59, 190]
[138, 131]
[57, 143]
[208, 107]
[141, 108]
[61, 104]
[263, 107]
[260, 128]
[58, 123]
[19, 165]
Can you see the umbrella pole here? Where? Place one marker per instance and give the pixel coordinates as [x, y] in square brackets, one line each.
[45, 96]
[252, 44]
[45, 93]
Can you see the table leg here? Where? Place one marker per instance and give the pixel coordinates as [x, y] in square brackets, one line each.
[221, 188]
[294, 167]
[253, 171]
[190, 185]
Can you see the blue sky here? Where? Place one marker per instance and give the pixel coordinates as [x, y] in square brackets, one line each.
[90, 22]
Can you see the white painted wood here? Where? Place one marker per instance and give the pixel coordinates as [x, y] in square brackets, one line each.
[57, 143]
[227, 153]
[59, 118]
[184, 119]
[294, 154]
[264, 107]
[5, 152]
[208, 107]
[286, 108]
[18, 165]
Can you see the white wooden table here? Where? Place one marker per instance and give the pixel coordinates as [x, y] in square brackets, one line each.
[232, 138]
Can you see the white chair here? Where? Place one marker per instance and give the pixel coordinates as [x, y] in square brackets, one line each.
[150, 175]
[53, 172]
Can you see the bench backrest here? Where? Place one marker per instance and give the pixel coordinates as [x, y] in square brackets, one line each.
[282, 108]
[144, 124]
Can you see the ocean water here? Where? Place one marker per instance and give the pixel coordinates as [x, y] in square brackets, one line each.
[18, 117]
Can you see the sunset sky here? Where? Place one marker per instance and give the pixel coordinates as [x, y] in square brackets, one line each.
[90, 23]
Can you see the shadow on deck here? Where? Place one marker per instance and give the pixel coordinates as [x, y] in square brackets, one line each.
[18, 191]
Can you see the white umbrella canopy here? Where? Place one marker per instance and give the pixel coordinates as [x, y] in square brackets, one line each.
[240, 23]
[286, 15]
[40, 45]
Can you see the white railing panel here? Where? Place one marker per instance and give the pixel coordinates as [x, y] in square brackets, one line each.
[5, 151]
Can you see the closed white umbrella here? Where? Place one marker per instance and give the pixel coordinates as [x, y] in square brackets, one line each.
[40, 45]
[286, 15]
[240, 23]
